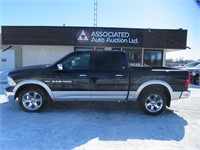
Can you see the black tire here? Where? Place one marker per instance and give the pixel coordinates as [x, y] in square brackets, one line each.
[196, 80]
[33, 99]
[153, 101]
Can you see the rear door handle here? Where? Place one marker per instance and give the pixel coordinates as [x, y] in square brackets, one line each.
[119, 75]
[82, 75]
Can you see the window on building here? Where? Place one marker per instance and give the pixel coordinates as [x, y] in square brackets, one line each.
[153, 58]
[116, 49]
[99, 48]
[88, 48]
[83, 48]
[134, 56]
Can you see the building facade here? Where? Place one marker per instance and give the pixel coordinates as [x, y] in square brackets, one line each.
[35, 45]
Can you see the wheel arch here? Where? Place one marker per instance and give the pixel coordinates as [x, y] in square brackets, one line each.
[21, 85]
[158, 84]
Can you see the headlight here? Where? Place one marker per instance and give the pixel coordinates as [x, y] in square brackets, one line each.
[11, 82]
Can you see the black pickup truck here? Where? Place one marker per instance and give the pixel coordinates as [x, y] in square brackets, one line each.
[97, 76]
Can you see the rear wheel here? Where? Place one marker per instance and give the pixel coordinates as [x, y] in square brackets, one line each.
[152, 101]
[32, 99]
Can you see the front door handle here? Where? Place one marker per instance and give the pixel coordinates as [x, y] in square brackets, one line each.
[82, 75]
[119, 75]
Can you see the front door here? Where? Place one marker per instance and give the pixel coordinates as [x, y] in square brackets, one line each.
[72, 81]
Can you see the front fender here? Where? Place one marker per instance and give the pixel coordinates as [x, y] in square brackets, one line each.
[35, 82]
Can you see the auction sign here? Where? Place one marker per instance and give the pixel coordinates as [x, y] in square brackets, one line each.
[108, 37]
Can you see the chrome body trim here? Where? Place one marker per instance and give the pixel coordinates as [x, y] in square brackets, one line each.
[71, 95]
[82, 75]
[10, 96]
[119, 75]
[167, 70]
[89, 95]
[37, 82]
[185, 94]
[133, 95]
[176, 95]
[97, 95]
[180, 95]
[109, 95]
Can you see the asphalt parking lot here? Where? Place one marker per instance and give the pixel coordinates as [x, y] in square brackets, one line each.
[100, 126]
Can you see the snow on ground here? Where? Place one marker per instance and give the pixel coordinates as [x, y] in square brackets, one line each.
[97, 125]
[100, 126]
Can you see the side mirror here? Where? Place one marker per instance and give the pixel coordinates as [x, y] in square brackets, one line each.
[60, 67]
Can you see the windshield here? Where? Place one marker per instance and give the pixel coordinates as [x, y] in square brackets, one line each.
[56, 62]
[197, 66]
[192, 64]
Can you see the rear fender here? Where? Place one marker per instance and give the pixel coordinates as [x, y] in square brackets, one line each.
[135, 94]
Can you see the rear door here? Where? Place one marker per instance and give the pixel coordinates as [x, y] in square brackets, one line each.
[109, 79]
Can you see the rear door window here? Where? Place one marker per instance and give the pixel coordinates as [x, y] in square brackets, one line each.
[110, 61]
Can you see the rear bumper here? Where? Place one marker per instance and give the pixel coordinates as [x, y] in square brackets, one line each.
[180, 95]
[184, 94]
[9, 93]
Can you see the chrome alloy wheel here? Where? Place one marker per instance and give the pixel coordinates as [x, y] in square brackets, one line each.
[32, 100]
[154, 103]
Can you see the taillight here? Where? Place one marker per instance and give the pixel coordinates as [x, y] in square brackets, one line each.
[187, 82]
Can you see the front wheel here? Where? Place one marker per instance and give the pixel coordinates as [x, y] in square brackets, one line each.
[32, 99]
[153, 102]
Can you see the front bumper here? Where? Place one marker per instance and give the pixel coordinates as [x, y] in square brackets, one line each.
[10, 94]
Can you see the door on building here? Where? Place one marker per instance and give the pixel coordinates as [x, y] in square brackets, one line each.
[7, 60]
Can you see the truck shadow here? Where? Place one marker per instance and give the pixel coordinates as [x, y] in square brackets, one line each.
[112, 121]
[68, 125]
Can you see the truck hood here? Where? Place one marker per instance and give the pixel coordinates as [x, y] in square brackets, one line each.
[27, 72]
[30, 68]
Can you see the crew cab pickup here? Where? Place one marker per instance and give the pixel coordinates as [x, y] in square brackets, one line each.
[97, 76]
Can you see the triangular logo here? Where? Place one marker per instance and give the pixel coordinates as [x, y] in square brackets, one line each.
[82, 36]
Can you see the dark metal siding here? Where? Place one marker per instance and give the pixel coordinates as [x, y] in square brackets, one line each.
[45, 35]
[171, 39]
[36, 35]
